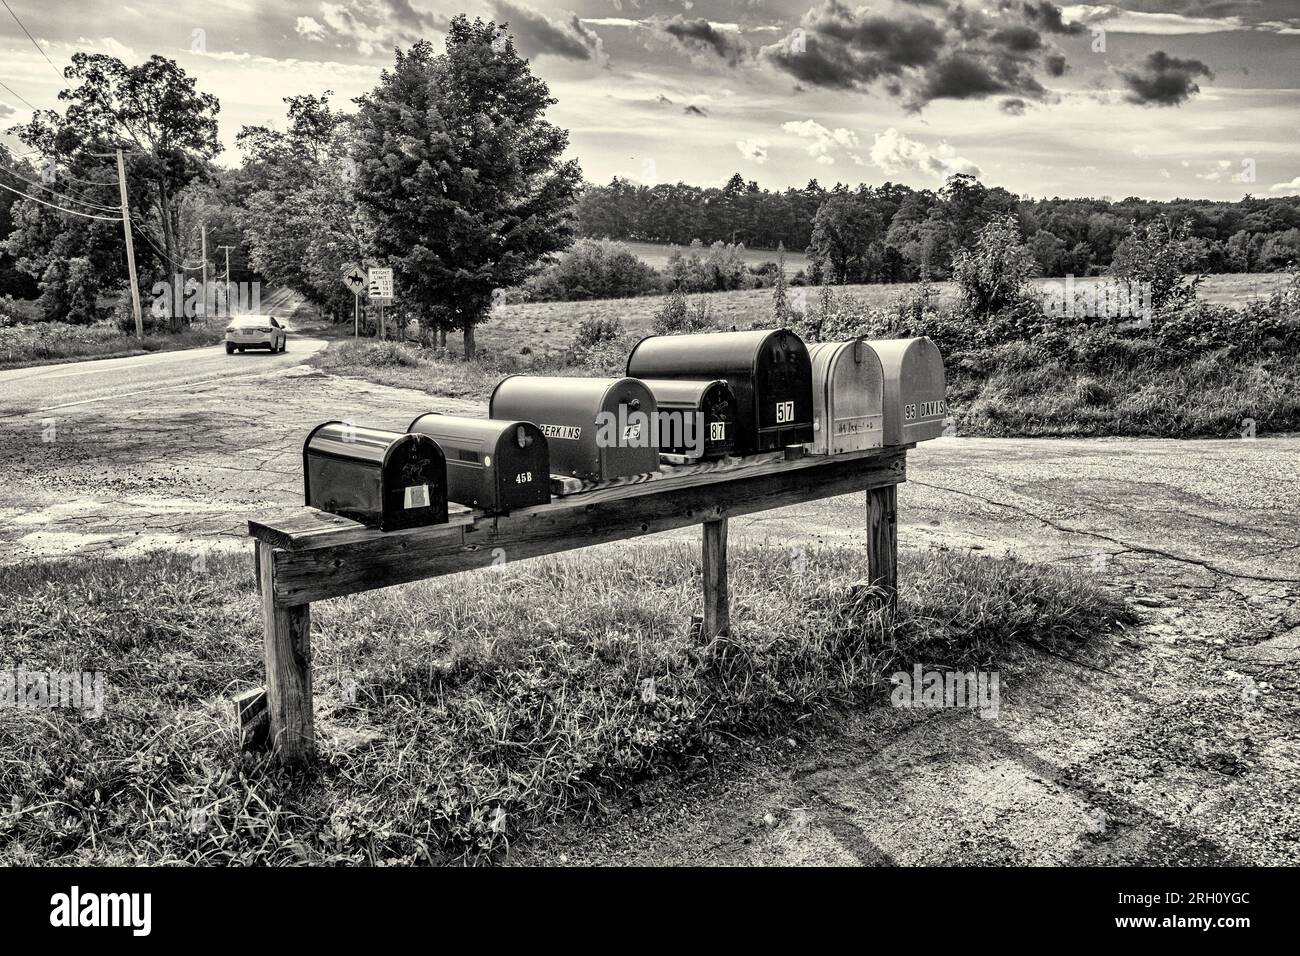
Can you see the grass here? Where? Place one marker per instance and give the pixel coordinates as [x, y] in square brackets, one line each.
[656, 254]
[42, 343]
[494, 702]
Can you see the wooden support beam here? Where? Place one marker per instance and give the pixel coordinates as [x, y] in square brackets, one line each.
[882, 540]
[717, 603]
[288, 668]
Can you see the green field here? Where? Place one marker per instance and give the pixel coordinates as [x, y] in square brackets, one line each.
[543, 326]
[656, 254]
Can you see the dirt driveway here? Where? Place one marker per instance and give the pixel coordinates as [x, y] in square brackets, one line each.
[1175, 744]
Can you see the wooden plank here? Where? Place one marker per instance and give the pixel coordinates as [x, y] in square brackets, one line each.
[882, 540]
[333, 566]
[717, 602]
[303, 526]
[287, 650]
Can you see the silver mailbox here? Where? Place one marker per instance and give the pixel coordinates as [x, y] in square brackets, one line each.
[847, 397]
[916, 400]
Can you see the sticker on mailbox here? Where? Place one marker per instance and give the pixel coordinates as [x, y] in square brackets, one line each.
[784, 412]
[571, 432]
[926, 410]
[417, 496]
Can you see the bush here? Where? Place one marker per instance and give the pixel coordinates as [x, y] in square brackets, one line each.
[69, 289]
[721, 269]
[1156, 255]
[677, 317]
[993, 274]
[594, 269]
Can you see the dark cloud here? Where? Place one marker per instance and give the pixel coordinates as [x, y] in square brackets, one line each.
[1054, 64]
[1049, 17]
[536, 34]
[694, 110]
[408, 16]
[1014, 106]
[1163, 80]
[923, 50]
[703, 37]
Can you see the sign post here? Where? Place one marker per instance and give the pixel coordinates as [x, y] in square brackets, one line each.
[381, 291]
[355, 280]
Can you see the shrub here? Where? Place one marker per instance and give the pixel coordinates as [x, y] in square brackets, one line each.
[993, 274]
[596, 330]
[1156, 254]
[678, 317]
[594, 269]
[722, 268]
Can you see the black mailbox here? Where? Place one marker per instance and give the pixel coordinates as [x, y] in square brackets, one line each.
[769, 372]
[595, 428]
[385, 479]
[494, 465]
[695, 419]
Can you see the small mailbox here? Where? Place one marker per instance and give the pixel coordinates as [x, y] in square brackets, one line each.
[769, 372]
[695, 419]
[847, 397]
[386, 479]
[595, 428]
[916, 400]
[494, 465]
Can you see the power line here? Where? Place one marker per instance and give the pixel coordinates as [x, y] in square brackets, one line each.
[39, 48]
[19, 95]
[74, 212]
[75, 199]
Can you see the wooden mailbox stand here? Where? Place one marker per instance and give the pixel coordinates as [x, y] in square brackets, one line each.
[304, 555]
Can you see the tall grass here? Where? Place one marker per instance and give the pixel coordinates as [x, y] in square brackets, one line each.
[492, 701]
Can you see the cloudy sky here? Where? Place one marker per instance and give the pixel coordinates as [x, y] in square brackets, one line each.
[1156, 98]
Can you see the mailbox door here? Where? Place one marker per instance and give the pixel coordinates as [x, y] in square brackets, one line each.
[523, 471]
[414, 484]
[783, 385]
[719, 408]
[625, 434]
[852, 397]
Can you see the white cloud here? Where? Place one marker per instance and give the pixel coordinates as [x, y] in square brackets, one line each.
[1293, 187]
[895, 153]
[309, 27]
[1115, 20]
[755, 150]
[108, 45]
[820, 141]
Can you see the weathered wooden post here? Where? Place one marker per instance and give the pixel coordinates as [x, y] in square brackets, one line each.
[288, 668]
[882, 540]
[717, 603]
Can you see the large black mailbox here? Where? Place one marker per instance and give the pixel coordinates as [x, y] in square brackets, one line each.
[595, 428]
[385, 479]
[769, 372]
[494, 465]
[696, 419]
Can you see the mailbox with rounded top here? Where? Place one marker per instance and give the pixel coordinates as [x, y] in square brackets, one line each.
[847, 397]
[696, 419]
[916, 399]
[595, 428]
[386, 479]
[494, 465]
[769, 372]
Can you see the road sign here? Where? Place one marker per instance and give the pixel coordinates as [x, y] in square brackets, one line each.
[381, 284]
[354, 279]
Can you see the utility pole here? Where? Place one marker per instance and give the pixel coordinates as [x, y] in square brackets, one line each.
[227, 250]
[130, 248]
[205, 273]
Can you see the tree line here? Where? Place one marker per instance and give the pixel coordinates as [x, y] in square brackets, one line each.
[893, 233]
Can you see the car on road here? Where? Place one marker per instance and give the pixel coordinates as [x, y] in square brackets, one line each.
[256, 332]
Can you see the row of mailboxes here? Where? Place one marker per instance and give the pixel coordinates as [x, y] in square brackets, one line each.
[695, 396]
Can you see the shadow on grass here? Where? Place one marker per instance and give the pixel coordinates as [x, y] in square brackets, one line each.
[458, 714]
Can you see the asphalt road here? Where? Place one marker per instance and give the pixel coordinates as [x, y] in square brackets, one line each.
[59, 388]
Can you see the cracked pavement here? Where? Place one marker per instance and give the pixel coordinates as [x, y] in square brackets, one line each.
[1172, 744]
